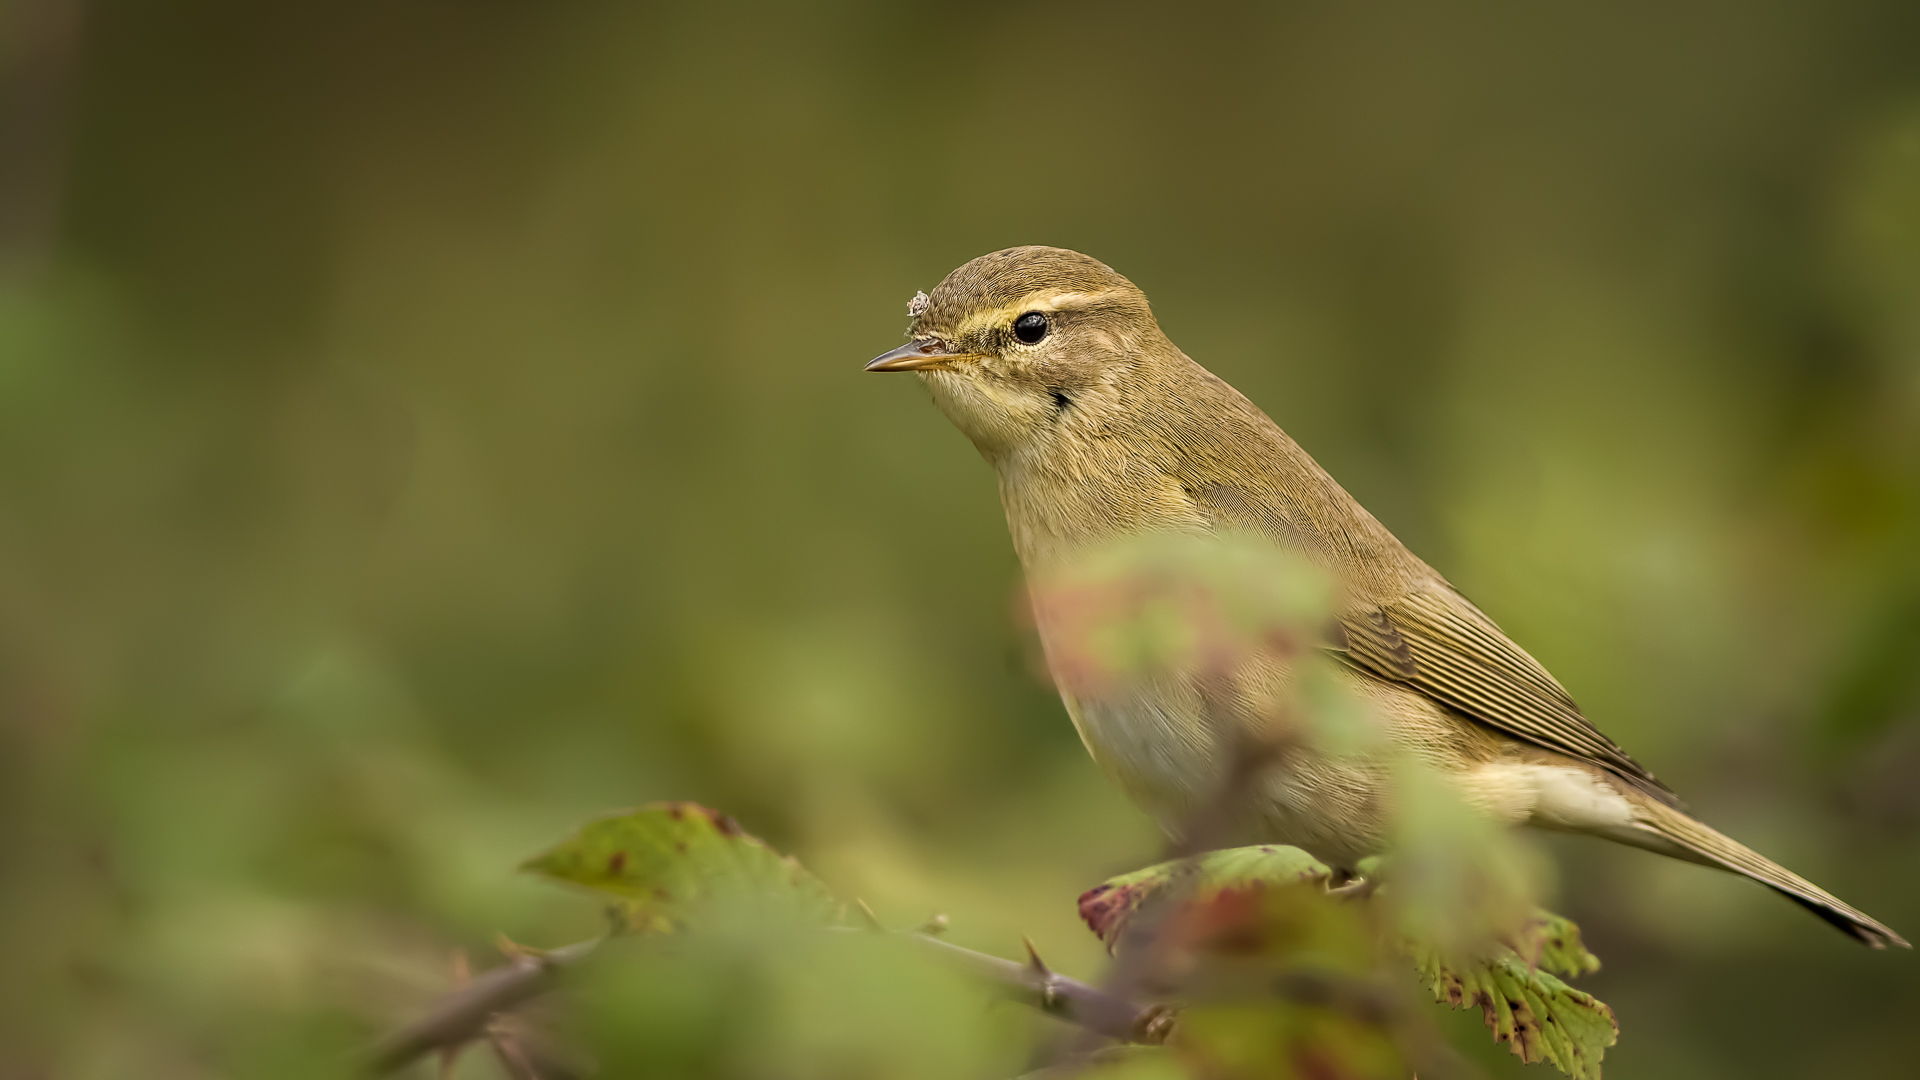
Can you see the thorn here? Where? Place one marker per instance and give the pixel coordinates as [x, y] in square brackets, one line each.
[1049, 993]
[1038, 966]
[866, 914]
[935, 926]
[516, 952]
[450, 1055]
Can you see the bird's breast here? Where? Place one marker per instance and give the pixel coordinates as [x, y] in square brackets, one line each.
[1058, 504]
[1154, 742]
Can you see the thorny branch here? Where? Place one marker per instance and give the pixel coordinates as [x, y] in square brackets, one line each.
[1032, 983]
[464, 1014]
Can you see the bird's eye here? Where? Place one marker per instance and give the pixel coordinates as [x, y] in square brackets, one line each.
[1030, 328]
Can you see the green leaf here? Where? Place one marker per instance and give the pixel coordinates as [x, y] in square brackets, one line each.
[1108, 907]
[1518, 988]
[671, 863]
[1554, 944]
[1276, 977]
[1525, 1004]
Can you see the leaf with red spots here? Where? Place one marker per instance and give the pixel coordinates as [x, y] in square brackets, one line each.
[671, 862]
[1108, 907]
[1525, 1004]
[1553, 943]
[1246, 906]
[1277, 978]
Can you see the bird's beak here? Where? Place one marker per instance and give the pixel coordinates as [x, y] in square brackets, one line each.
[916, 355]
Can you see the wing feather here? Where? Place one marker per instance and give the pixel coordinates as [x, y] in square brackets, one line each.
[1433, 639]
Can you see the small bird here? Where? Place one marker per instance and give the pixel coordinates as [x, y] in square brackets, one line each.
[1101, 429]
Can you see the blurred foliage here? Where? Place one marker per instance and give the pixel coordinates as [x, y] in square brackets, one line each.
[1109, 906]
[1273, 977]
[1157, 606]
[423, 426]
[1271, 974]
[748, 983]
[1229, 623]
[1512, 973]
[669, 862]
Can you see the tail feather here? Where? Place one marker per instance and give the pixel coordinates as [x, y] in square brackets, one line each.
[1696, 842]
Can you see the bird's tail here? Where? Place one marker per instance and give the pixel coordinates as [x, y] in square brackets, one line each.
[1672, 832]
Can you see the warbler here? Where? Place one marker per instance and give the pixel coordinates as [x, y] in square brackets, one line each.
[1101, 429]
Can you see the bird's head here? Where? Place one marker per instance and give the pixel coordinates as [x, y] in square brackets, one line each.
[1018, 343]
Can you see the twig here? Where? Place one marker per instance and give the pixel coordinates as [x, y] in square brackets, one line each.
[1033, 983]
[463, 1015]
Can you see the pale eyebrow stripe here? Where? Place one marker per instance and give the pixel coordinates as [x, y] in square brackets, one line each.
[1066, 301]
[1074, 301]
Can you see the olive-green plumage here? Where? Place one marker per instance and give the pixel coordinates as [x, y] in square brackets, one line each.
[1101, 429]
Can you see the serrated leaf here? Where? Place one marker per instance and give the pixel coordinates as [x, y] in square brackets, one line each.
[1526, 1005]
[1553, 942]
[1108, 907]
[672, 862]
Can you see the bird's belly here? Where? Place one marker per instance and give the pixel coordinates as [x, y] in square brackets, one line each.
[1170, 760]
[1162, 754]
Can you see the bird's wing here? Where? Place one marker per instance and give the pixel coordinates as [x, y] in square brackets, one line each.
[1432, 639]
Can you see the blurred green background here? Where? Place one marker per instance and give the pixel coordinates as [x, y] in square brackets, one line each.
[426, 424]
